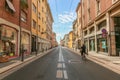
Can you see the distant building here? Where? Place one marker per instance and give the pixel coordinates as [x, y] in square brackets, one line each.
[70, 41]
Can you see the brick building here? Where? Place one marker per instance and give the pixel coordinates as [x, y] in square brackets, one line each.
[12, 25]
[100, 20]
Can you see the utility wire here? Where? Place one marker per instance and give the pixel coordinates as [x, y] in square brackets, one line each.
[71, 5]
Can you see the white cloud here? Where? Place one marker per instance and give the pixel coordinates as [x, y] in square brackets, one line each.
[59, 35]
[67, 17]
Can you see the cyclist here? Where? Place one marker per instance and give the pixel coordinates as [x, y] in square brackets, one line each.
[83, 52]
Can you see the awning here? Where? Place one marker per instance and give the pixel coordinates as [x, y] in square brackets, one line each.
[10, 5]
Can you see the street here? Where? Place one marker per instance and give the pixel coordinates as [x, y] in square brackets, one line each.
[62, 64]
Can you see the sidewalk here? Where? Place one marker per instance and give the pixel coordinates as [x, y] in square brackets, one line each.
[4, 67]
[110, 62]
[112, 59]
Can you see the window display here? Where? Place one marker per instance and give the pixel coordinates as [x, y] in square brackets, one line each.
[8, 40]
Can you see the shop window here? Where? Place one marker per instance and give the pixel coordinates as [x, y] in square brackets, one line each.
[92, 45]
[23, 16]
[102, 45]
[117, 33]
[8, 41]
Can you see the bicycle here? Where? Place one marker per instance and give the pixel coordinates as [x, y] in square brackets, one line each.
[83, 57]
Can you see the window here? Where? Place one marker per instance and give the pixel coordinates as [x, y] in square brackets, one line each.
[113, 1]
[39, 15]
[85, 33]
[92, 30]
[42, 9]
[34, 24]
[102, 25]
[39, 28]
[34, 8]
[88, 4]
[89, 14]
[42, 19]
[42, 0]
[23, 16]
[98, 6]
[39, 3]
[9, 6]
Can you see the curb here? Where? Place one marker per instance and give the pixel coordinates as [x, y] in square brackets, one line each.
[28, 60]
[115, 68]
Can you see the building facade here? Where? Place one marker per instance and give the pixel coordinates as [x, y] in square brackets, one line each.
[100, 25]
[75, 35]
[49, 31]
[54, 42]
[70, 41]
[41, 25]
[14, 27]
[79, 26]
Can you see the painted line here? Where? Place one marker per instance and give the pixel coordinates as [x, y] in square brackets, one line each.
[65, 74]
[59, 65]
[64, 65]
[59, 74]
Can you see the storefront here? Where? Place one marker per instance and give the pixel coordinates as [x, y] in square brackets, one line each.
[117, 34]
[8, 40]
[25, 41]
[86, 42]
[102, 44]
[92, 44]
[34, 42]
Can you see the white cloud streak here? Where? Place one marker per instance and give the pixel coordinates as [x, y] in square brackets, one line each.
[67, 17]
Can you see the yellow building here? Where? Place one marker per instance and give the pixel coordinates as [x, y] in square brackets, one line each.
[70, 41]
[79, 26]
[39, 27]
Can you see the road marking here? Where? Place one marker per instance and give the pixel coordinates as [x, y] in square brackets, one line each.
[64, 65]
[59, 65]
[59, 74]
[65, 74]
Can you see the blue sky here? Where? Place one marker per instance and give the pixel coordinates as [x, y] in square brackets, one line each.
[64, 13]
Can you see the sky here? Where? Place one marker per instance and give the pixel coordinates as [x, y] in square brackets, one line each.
[64, 13]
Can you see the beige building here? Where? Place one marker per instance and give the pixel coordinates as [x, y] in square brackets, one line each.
[41, 25]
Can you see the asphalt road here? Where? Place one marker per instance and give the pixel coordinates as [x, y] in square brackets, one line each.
[61, 64]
